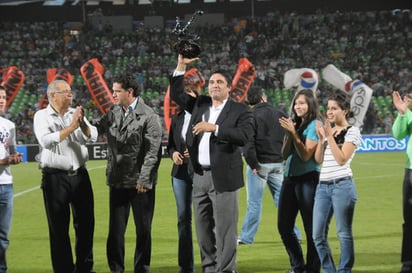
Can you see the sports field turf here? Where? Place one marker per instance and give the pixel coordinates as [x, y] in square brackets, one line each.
[377, 224]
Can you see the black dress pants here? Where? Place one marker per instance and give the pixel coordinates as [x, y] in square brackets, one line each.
[406, 257]
[142, 205]
[62, 191]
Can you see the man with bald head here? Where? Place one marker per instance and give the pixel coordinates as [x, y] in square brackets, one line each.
[62, 132]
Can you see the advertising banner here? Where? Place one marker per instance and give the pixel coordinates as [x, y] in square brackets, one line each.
[369, 143]
[382, 143]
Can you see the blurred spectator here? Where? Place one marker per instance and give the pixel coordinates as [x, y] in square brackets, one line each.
[378, 43]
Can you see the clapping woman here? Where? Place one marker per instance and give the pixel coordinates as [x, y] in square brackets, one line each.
[336, 193]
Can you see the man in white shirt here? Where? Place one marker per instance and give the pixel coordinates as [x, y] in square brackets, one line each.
[219, 127]
[62, 132]
[8, 156]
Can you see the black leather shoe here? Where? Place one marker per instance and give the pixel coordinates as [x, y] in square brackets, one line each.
[406, 268]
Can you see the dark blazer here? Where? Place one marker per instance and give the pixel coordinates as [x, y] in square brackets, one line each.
[235, 127]
[178, 95]
[176, 143]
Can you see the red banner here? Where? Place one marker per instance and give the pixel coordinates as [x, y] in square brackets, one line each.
[55, 74]
[92, 73]
[242, 80]
[12, 81]
[169, 109]
[194, 77]
[59, 74]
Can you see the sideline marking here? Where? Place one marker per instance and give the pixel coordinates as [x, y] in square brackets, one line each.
[26, 191]
[38, 187]
[161, 188]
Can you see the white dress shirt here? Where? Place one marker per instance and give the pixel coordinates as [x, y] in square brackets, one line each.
[186, 123]
[204, 145]
[68, 154]
[131, 107]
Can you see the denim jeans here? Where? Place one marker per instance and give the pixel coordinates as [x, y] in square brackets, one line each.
[297, 195]
[338, 199]
[183, 195]
[6, 210]
[272, 175]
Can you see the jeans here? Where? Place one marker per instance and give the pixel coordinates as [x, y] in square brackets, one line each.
[297, 195]
[183, 195]
[272, 175]
[6, 210]
[338, 199]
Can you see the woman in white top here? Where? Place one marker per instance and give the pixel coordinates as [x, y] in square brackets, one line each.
[336, 191]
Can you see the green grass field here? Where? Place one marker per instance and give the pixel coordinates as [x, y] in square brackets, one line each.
[377, 224]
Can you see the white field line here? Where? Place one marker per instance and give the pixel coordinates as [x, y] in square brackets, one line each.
[38, 187]
[103, 166]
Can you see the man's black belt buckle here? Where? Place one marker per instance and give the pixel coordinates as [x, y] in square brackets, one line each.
[48, 170]
[72, 173]
[335, 181]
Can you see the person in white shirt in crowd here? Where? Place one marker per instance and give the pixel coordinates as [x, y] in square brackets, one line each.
[8, 156]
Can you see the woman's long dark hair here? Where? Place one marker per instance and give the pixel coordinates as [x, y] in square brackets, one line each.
[343, 100]
[313, 110]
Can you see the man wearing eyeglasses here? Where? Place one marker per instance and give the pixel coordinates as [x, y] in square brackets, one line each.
[62, 132]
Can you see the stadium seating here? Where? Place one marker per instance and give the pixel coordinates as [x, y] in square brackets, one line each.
[281, 53]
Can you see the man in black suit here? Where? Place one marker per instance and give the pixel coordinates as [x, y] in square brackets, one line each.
[220, 127]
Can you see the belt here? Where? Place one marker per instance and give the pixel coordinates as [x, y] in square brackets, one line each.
[48, 170]
[206, 168]
[335, 181]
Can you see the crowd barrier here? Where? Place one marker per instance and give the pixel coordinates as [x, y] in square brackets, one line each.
[370, 143]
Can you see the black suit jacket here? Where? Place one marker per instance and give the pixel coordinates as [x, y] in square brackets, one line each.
[178, 94]
[235, 128]
[176, 143]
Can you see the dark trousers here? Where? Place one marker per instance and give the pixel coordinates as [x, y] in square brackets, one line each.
[298, 195]
[60, 192]
[407, 218]
[142, 205]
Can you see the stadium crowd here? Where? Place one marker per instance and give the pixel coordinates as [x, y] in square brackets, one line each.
[374, 47]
